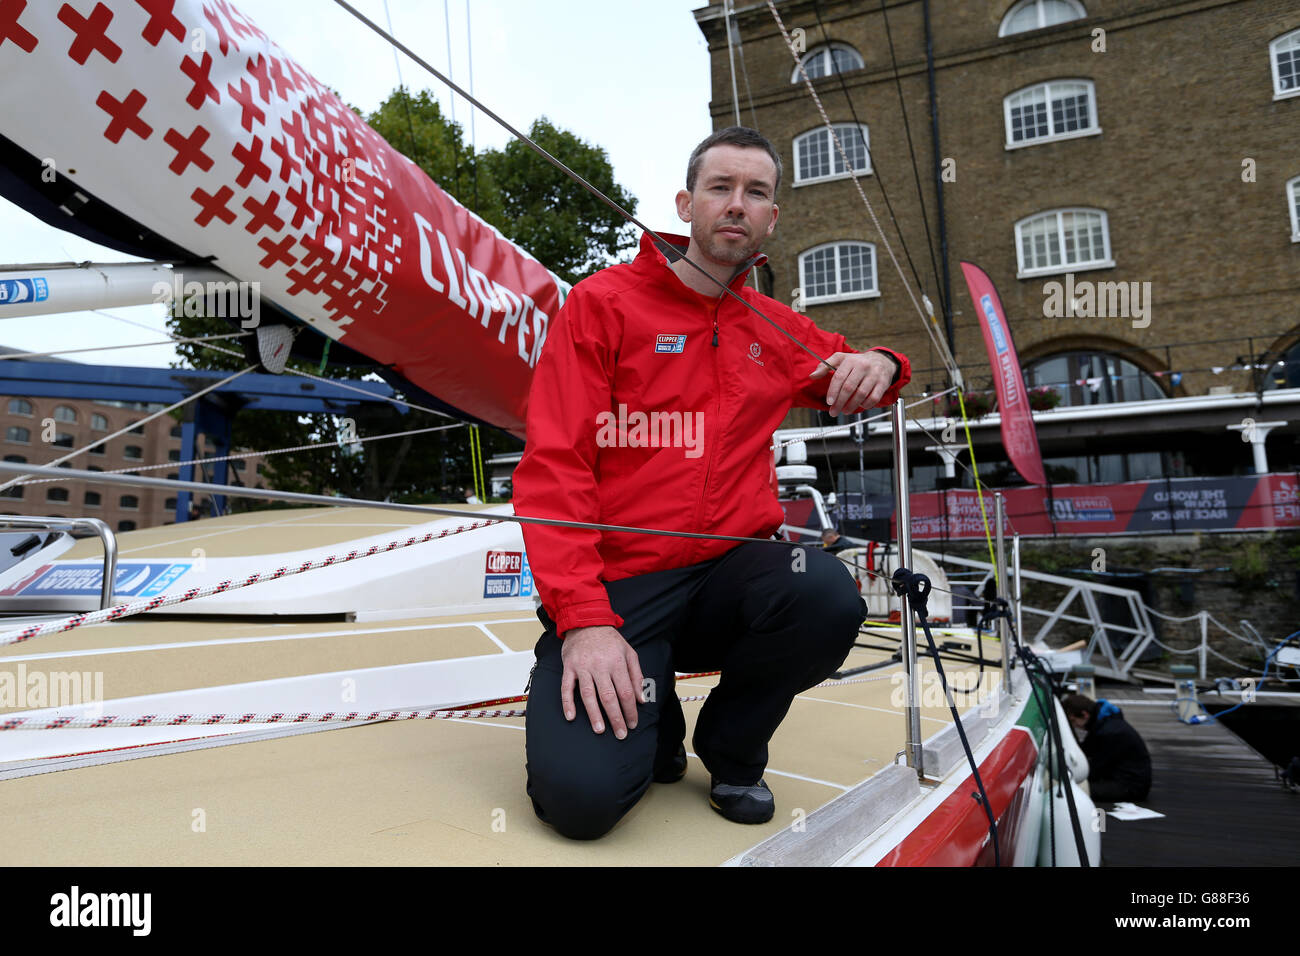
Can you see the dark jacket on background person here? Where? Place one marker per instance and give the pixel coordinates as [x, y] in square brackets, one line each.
[1119, 767]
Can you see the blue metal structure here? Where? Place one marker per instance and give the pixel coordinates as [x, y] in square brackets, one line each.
[214, 412]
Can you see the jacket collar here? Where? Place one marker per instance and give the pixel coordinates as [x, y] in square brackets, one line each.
[653, 256]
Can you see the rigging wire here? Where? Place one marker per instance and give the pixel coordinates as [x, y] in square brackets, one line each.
[940, 345]
[844, 86]
[134, 345]
[136, 424]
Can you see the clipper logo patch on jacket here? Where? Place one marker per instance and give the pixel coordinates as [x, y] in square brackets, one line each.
[671, 344]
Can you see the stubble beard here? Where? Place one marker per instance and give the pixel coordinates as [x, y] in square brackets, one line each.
[721, 251]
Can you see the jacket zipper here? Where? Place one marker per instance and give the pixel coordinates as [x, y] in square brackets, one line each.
[717, 409]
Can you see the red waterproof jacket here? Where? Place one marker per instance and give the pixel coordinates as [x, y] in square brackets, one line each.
[653, 406]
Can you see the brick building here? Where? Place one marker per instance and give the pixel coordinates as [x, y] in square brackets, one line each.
[38, 430]
[1145, 143]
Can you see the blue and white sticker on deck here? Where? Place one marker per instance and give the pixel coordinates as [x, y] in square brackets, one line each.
[132, 580]
[14, 291]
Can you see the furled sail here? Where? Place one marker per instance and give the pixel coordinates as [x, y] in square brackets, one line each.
[176, 129]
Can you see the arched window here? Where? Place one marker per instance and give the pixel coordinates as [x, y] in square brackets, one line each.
[1062, 240]
[16, 433]
[1284, 54]
[133, 452]
[816, 157]
[1035, 14]
[1061, 109]
[57, 494]
[63, 440]
[1293, 205]
[129, 502]
[1092, 378]
[137, 430]
[827, 59]
[98, 423]
[65, 413]
[14, 491]
[838, 270]
[19, 406]
[93, 499]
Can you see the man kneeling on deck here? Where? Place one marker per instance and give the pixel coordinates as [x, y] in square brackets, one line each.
[653, 405]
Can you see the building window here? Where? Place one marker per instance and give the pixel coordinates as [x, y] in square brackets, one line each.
[1093, 378]
[261, 468]
[137, 430]
[169, 504]
[98, 423]
[63, 413]
[838, 270]
[177, 431]
[126, 526]
[238, 464]
[15, 491]
[1062, 240]
[18, 434]
[1036, 14]
[93, 499]
[1293, 204]
[816, 157]
[93, 468]
[99, 450]
[1062, 109]
[174, 454]
[827, 59]
[20, 406]
[129, 502]
[62, 440]
[172, 476]
[56, 494]
[1284, 52]
[133, 452]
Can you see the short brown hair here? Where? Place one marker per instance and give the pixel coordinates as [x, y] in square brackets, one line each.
[1078, 704]
[731, 136]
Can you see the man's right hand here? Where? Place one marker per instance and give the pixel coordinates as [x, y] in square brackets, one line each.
[607, 672]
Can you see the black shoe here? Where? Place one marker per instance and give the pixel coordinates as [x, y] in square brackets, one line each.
[754, 804]
[676, 768]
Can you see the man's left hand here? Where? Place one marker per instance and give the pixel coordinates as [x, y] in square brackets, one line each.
[860, 379]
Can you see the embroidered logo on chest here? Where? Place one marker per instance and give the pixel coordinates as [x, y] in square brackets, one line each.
[755, 350]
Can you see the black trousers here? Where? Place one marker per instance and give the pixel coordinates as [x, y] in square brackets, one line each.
[774, 619]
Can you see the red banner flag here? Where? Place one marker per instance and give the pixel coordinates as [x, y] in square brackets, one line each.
[1018, 435]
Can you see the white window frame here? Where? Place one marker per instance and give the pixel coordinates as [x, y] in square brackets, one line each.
[1291, 38]
[872, 293]
[1292, 199]
[101, 418]
[31, 409]
[835, 153]
[66, 414]
[796, 76]
[1053, 137]
[1107, 262]
[1006, 18]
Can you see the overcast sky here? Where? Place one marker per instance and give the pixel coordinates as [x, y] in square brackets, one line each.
[631, 77]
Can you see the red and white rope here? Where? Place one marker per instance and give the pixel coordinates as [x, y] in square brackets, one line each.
[463, 712]
[119, 611]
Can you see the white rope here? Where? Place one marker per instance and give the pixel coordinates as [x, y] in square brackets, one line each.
[255, 454]
[134, 425]
[119, 611]
[134, 345]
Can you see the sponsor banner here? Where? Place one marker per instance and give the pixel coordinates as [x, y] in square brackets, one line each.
[133, 579]
[506, 574]
[1137, 507]
[1018, 435]
[186, 117]
[14, 291]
